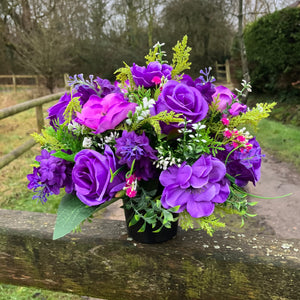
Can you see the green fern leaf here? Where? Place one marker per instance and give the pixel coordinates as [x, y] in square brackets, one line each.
[181, 56]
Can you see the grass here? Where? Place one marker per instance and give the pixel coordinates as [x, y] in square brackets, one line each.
[11, 292]
[283, 141]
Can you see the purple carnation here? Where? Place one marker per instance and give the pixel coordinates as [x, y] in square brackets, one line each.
[196, 188]
[91, 176]
[132, 147]
[53, 174]
[56, 111]
[244, 167]
[143, 76]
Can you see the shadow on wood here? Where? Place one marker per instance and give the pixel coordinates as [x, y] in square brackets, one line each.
[101, 262]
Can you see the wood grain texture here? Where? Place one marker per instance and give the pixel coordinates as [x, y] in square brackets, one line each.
[102, 262]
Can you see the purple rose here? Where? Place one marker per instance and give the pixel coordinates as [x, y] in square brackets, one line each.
[182, 99]
[225, 99]
[106, 113]
[223, 96]
[143, 76]
[57, 110]
[195, 188]
[243, 166]
[91, 176]
[237, 108]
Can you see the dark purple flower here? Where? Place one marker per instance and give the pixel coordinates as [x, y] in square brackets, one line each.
[84, 92]
[182, 99]
[91, 176]
[243, 166]
[237, 108]
[143, 76]
[53, 174]
[207, 89]
[145, 169]
[188, 80]
[106, 113]
[56, 111]
[196, 188]
[106, 87]
[132, 147]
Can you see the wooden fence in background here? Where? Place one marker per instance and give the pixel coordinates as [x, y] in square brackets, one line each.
[12, 110]
[13, 81]
[223, 71]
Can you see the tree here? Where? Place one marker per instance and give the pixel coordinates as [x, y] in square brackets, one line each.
[208, 31]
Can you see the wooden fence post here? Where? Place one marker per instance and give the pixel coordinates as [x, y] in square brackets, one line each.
[227, 68]
[39, 118]
[14, 82]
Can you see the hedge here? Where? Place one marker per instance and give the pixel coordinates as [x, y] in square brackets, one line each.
[273, 50]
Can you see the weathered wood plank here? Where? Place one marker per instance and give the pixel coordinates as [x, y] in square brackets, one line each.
[12, 110]
[9, 157]
[102, 262]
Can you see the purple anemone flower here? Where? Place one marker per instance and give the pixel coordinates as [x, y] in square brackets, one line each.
[196, 188]
[244, 167]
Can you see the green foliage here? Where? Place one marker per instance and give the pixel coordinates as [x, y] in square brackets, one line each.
[152, 56]
[123, 74]
[273, 50]
[209, 224]
[164, 116]
[150, 211]
[253, 116]
[181, 56]
[72, 212]
[47, 139]
[70, 111]
[61, 139]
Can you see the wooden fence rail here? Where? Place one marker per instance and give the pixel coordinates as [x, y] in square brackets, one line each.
[12, 110]
[14, 80]
[102, 262]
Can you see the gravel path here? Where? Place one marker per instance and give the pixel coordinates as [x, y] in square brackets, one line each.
[283, 215]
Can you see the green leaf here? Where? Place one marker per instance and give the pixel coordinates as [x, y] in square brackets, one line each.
[71, 212]
[65, 156]
[134, 220]
[142, 229]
